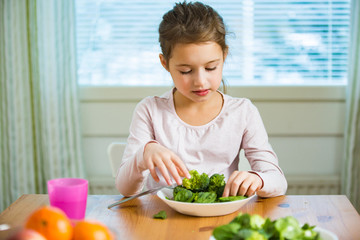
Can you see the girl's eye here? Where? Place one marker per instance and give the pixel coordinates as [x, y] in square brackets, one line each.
[210, 69]
[187, 72]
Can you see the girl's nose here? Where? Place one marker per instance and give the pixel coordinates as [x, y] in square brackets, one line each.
[199, 78]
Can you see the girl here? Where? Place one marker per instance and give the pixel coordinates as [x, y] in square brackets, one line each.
[195, 126]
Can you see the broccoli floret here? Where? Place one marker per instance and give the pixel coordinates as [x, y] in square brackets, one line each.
[201, 188]
[177, 189]
[205, 197]
[197, 182]
[217, 184]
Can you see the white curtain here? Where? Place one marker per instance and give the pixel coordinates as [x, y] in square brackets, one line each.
[351, 163]
[39, 110]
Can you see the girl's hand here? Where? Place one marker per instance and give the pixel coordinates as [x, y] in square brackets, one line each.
[166, 161]
[242, 183]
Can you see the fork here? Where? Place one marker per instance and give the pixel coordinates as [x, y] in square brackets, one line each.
[141, 194]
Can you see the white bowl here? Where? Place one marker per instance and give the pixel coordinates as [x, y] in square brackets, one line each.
[201, 209]
[324, 234]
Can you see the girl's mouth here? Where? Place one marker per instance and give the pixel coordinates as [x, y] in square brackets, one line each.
[201, 92]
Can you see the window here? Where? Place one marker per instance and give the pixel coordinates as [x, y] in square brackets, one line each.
[277, 42]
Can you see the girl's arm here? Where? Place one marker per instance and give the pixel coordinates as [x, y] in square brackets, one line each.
[132, 171]
[143, 154]
[266, 177]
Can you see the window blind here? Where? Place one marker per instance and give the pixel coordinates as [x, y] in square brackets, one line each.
[297, 42]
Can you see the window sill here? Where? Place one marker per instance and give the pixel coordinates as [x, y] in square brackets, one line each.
[255, 93]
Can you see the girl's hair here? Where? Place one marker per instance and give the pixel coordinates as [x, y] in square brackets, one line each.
[191, 23]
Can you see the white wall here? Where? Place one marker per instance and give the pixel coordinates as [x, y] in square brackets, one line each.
[305, 126]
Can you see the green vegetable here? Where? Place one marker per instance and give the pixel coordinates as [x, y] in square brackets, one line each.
[197, 182]
[227, 231]
[217, 184]
[202, 189]
[184, 195]
[288, 228]
[248, 234]
[231, 198]
[256, 222]
[308, 232]
[249, 227]
[205, 197]
[160, 215]
[177, 189]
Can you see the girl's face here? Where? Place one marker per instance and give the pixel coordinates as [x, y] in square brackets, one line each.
[196, 69]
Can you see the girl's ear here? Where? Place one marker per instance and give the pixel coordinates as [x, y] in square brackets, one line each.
[163, 61]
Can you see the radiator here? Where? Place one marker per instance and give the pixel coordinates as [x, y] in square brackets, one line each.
[102, 186]
[313, 185]
[297, 185]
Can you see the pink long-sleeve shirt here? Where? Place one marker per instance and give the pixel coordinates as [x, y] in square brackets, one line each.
[210, 148]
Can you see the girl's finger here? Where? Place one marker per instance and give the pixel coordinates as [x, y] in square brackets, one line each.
[151, 168]
[237, 183]
[228, 184]
[181, 166]
[251, 190]
[243, 189]
[173, 171]
[255, 184]
[181, 174]
[163, 170]
[226, 190]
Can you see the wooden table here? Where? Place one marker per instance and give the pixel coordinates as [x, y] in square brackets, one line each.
[133, 219]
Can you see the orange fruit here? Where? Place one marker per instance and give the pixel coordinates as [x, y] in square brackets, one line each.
[27, 234]
[51, 222]
[91, 230]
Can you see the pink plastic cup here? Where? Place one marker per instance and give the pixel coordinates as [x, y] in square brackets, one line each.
[70, 195]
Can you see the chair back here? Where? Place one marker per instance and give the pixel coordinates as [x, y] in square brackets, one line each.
[115, 153]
